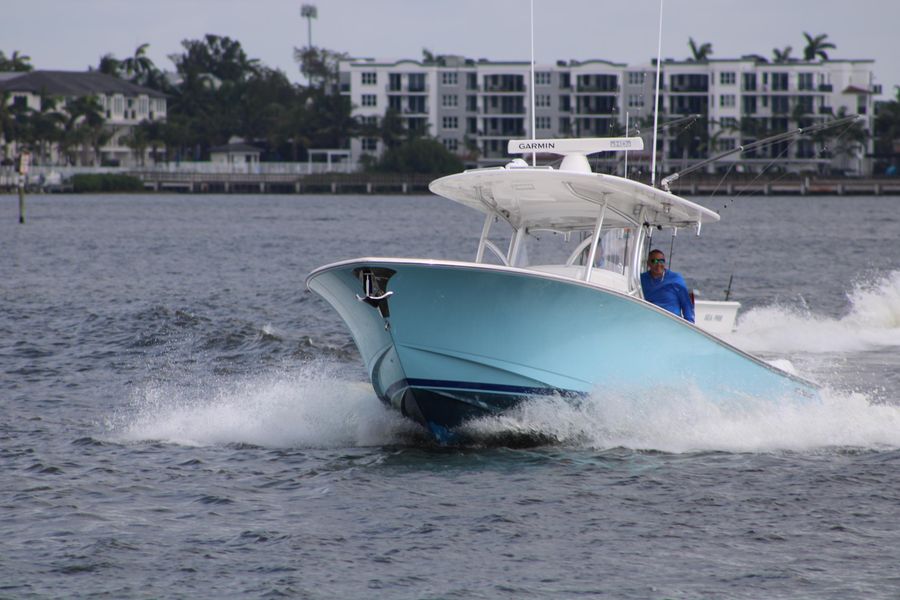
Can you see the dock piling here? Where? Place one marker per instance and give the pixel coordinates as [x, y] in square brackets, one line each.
[24, 161]
[22, 199]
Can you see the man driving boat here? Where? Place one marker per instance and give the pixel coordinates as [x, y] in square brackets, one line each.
[665, 288]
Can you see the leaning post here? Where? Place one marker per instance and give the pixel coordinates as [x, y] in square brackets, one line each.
[24, 160]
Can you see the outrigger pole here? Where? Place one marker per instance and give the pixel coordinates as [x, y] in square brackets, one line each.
[656, 97]
[664, 184]
[533, 117]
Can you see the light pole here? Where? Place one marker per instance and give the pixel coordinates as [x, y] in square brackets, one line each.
[309, 12]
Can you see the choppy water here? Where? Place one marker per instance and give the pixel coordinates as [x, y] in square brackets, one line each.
[180, 418]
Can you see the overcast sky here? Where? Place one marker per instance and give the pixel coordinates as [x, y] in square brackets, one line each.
[74, 34]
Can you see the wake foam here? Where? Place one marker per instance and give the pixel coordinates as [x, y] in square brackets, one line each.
[872, 323]
[314, 407]
[690, 422]
[317, 407]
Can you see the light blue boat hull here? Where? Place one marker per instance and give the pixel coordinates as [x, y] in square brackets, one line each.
[459, 340]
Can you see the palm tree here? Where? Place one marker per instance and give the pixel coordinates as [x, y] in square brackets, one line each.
[700, 53]
[84, 126]
[816, 46]
[110, 65]
[47, 126]
[138, 142]
[16, 62]
[782, 55]
[8, 128]
[139, 66]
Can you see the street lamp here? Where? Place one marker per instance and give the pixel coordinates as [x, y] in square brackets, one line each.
[309, 12]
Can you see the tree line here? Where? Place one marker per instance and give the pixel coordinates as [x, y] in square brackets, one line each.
[216, 92]
[816, 47]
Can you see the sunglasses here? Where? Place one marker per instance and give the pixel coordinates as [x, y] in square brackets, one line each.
[657, 261]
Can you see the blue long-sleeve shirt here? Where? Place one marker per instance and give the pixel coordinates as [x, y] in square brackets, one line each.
[669, 292]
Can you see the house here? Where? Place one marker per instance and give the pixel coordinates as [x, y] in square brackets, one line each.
[123, 105]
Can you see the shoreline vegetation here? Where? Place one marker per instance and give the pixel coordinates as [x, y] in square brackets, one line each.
[217, 92]
[415, 183]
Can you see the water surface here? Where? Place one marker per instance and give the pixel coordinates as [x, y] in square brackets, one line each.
[179, 417]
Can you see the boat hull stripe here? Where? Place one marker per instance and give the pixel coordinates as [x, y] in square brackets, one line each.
[479, 387]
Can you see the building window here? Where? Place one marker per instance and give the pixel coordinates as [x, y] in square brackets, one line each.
[369, 100]
[726, 144]
[779, 81]
[565, 125]
[780, 105]
[806, 149]
[749, 82]
[542, 101]
[726, 100]
[369, 144]
[542, 122]
[472, 103]
[727, 78]
[450, 123]
[449, 78]
[805, 81]
[417, 82]
[449, 101]
[368, 121]
[749, 105]
[369, 78]
[416, 105]
[729, 123]
[635, 100]
[451, 144]
[542, 78]
[636, 77]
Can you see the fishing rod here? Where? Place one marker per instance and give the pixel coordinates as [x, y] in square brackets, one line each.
[687, 120]
[664, 184]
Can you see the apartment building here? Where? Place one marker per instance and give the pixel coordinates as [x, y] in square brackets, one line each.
[124, 104]
[475, 106]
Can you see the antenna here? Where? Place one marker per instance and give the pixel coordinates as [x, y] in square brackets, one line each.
[626, 152]
[656, 98]
[533, 118]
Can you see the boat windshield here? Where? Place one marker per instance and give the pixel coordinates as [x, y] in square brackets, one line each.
[549, 248]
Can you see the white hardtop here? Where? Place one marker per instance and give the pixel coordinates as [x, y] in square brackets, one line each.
[558, 199]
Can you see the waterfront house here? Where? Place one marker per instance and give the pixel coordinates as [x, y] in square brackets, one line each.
[122, 106]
